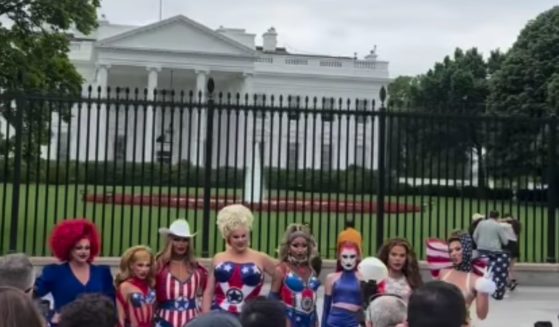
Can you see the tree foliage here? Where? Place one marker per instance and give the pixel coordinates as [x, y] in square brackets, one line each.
[34, 46]
[526, 82]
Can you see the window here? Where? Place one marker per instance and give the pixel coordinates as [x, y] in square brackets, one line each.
[260, 105]
[120, 147]
[294, 103]
[360, 105]
[328, 104]
[165, 142]
[359, 155]
[293, 155]
[326, 157]
[63, 146]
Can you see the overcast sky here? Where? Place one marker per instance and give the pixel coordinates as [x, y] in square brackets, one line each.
[411, 34]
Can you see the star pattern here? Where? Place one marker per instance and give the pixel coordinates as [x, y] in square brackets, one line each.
[498, 263]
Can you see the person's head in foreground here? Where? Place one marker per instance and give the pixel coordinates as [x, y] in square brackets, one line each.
[263, 312]
[215, 319]
[437, 304]
[89, 310]
[17, 309]
[16, 271]
[387, 311]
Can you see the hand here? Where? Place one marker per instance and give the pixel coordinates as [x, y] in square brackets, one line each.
[486, 284]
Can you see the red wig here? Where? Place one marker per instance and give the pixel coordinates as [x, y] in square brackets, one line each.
[347, 245]
[69, 232]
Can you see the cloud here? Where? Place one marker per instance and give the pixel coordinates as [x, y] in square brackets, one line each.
[412, 35]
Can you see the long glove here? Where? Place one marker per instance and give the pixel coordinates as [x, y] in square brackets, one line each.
[486, 284]
[326, 309]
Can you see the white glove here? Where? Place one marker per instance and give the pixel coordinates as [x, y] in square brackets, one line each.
[486, 284]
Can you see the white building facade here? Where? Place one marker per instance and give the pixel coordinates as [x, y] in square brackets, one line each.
[181, 55]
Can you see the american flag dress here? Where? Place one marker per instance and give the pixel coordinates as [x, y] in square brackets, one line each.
[299, 297]
[138, 307]
[235, 284]
[178, 301]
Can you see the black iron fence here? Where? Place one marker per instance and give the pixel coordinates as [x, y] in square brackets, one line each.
[134, 163]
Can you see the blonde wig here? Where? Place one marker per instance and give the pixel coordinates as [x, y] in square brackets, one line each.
[129, 258]
[293, 231]
[233, 217]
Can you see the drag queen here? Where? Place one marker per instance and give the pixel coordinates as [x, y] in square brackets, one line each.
[469, 275]
[75, 243]
[135, 283]
[180, 279]
[238, 272]
[343, 298]
[295, 282]
[403, 269]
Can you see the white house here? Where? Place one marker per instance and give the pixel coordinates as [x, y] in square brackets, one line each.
[180, 54]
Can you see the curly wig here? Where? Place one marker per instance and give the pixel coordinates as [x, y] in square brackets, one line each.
[130, 257]
[69, 232]
[293, 231]
[411, 268]
[233, 217]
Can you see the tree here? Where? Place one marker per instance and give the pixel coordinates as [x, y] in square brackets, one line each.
[457, 84]
[399, 92]
[527, 84]
[524, 83]
[34, 46]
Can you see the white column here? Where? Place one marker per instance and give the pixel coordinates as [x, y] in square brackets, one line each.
[199, 131]
[249, 123]
[153, 74]
[98, 115]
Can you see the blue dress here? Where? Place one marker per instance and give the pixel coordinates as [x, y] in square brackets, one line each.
[60, 281]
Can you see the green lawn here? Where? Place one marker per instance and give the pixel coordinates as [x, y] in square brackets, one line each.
[123, 226]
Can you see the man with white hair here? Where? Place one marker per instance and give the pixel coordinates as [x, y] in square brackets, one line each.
[16, 271]
[386, 311]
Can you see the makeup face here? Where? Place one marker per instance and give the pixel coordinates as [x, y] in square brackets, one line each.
[397, 258]
[239, 239]
[180, 244]
[141, 265]
[299, 249]
[348, 258]
[455, 250]
[81, 251]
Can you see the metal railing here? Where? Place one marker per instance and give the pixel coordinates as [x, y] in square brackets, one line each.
[133, 165]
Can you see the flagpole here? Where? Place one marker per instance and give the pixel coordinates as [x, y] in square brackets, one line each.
[160, 10]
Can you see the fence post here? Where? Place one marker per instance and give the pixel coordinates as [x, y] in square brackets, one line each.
[20, 107]
[552, 194]
[208, 169]
[381, 168]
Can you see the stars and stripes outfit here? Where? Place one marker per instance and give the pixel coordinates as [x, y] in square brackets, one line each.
[178, 302]
[299, 297]
[138, 306]
[235, 283]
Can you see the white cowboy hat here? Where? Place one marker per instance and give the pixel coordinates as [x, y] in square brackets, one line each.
[477, 216]
[178, 228]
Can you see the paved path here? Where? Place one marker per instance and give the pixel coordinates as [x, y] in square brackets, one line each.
[522, 308]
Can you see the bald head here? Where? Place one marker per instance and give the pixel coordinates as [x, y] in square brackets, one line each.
[387, 311]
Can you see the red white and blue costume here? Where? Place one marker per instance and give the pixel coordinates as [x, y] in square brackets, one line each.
[299, 297]
[178, 301]
[139, 306]
[235, 284]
